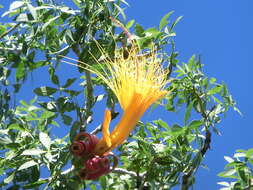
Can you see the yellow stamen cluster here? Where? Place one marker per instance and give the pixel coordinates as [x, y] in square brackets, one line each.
[137, 81]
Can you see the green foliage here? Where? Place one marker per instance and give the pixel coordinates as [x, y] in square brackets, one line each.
[239, 169]
[158, 154]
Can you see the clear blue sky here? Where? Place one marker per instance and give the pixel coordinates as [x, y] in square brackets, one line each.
[221, 32]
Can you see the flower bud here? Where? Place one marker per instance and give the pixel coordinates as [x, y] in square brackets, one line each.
[78, 148]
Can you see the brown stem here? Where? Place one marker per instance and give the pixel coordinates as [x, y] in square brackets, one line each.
[10, 30]
[186, 179]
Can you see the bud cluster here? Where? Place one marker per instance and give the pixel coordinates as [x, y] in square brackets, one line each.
[91, 166]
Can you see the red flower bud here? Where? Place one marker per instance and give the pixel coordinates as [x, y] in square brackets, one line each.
[96, 167]
[89, 140]
[92, 165]
[78, 148]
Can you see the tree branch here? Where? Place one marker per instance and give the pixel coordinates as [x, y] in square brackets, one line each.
[186, 179]
[10, 30]
[95, 131]
[124, 171]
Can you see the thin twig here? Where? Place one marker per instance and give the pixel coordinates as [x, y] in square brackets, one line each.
[62, 173]
[124, 171]
[10, 30]
[95, 131]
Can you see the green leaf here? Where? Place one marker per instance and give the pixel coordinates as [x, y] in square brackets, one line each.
[47, 114]
[224, 183]
[129, 24]
[152, 32]
[33, 152]
[195, 124]
[16, 4]
[27, 165]
[9, 178]
[22, 18]
[228, 159]
[66, 119]
[215, 90]
[100, 97]
[73, 130]
[164, 21]
[45, 91]
[77, 2]
[162, 124]
[139, 30]
[35, 184]
[32, 10]
[249, 153]
[175, 22]
[45, 139]
[72, 93]
[69, 82]
[188, 112]
[20, 72]
[120, 10]
[49, 22]
[228, 173]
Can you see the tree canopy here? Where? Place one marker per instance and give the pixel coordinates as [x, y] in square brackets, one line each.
[125, 69]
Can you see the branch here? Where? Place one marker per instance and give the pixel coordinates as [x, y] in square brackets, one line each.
[89, 92]
[10, 30]
[186, 179]
[62, 173]
[89, 88]
[124, 171]
[95, 131]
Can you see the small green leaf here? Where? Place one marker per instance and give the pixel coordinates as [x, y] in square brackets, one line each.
[27, 165]
[73, 130]
[224, 183]
[195, 124]
[152, 32]
[249, 153]
[77, 2]
[164, 21]
[175, 22]
[215, 90]
[45, 91]
[120, 10]
[69, 82]
[139, 30]
[129, 24]
[35, 184]
[9, 178]
[16, 4]
[49, 22]
[228, 173]
[20, 72]
[33, 152]
[212, 80]
[47, 114]
[32, 10]
[228, 159]
[100, 97]
[72, 93]
[66, 119]
[188, 112]
[45, 140]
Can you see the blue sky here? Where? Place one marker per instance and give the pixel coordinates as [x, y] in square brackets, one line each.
[221, 32]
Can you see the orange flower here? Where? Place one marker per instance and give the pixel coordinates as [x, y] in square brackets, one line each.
[137, 81]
